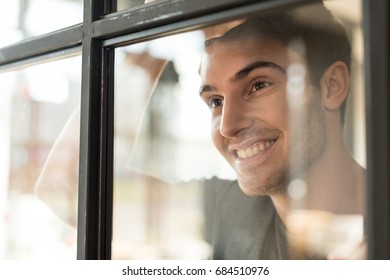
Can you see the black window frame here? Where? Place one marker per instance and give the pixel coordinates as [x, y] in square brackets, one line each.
[103, 29]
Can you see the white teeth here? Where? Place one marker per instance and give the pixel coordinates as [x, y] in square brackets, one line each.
[249, 152]
[241, 154]
[256, 149]
[262, 147]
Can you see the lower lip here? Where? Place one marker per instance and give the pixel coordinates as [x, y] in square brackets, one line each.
[258, 159]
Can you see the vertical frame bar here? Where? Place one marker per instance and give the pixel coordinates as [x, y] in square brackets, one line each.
[96, 145]
[110, 6]
[107, 152]
[376, 26]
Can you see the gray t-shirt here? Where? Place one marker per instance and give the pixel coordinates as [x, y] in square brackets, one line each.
[240, 227]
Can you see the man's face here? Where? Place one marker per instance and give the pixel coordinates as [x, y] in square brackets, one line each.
[244, 84]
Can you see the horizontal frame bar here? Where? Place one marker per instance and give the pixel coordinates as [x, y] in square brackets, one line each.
[130, 25]
[157, 14]
[52, 42]
[44, 58]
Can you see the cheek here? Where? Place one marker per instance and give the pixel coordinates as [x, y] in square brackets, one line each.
[275, 114]
[215, 134]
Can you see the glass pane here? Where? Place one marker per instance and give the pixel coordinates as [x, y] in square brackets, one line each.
[27, 18]
[35, 106]
[271, 90]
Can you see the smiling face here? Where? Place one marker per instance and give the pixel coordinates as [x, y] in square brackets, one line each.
[244, 84]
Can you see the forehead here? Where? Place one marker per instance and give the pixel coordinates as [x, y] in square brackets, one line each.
[228, 56]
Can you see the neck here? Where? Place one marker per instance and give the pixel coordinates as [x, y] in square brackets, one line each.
[335, 184]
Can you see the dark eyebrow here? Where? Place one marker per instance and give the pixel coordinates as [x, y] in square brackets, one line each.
[245, 72]
[206, 88]
[255, 65]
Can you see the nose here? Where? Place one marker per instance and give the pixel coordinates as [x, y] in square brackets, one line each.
[235, 118]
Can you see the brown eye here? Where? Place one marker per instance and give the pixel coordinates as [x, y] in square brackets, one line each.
[215, 102]
[259, 85]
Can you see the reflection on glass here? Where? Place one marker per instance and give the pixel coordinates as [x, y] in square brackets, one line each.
[158, 128]
[36, 104]
[27, 18]
[274, 87]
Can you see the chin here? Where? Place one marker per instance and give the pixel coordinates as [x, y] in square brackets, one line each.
[253, 190]
[261, 189]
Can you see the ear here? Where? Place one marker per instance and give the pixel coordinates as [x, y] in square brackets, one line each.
[335, 85]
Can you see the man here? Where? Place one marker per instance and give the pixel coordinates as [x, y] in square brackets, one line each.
[276, 87]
